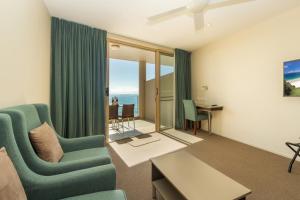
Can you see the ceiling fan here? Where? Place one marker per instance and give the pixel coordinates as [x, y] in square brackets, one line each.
[196, 8]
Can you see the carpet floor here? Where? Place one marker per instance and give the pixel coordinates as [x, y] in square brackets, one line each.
[262, 172]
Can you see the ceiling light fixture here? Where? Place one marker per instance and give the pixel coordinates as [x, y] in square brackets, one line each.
[115, 47]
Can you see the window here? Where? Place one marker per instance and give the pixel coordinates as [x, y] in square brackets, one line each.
[124, 82]
[164, 70]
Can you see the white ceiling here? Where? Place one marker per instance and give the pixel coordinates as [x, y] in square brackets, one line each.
[129, 18]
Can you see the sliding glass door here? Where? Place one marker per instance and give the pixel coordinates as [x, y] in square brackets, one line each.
[131, 92]
[165, 91]
[143, 76]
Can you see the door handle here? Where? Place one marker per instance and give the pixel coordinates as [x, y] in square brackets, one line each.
[156, 94]
[107, 92]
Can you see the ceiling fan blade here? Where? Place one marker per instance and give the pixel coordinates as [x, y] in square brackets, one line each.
[225, 3]
[199, 21]
[167, 15]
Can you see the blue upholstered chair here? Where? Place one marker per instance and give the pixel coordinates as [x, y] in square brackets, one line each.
[96, 183]
[191, 114]
[79, 153]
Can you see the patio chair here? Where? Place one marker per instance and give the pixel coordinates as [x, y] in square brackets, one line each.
[127, 113]
[113, 116]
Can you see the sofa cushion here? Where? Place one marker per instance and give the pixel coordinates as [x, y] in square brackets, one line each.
[100, 152]
[46, 144]
[10, 184]
[106, 195]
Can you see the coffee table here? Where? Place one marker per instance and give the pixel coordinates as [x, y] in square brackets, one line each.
[180, 175]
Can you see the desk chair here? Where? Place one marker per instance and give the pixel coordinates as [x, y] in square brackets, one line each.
[191, 114]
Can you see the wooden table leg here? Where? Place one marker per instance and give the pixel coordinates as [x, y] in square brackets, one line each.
[153, 192]
[209, 122]
[156, 174]
[296, 151]
[293, 160]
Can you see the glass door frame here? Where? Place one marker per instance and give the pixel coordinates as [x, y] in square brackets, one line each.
[144, 46]
[158, 55]
[157, 88]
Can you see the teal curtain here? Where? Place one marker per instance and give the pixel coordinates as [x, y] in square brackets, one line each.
[78, 73]
[183, 84]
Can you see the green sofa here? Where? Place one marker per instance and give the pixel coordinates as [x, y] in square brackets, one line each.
[95, 183]
[79, 153]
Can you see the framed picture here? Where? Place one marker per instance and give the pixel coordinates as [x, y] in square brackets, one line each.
[291, 81]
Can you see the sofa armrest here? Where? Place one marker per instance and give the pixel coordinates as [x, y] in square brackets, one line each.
[70, 184]
[81, 143]
[48, 169]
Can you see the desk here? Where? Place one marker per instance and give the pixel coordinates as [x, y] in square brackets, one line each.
[209, 109]
[192, 179]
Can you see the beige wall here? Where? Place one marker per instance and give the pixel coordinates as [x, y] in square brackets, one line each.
[24, 52]
[244, 72]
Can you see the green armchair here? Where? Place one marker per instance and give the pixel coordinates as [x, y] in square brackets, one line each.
[79, 153]
[191, 114]
[73, 144]
[81, 184]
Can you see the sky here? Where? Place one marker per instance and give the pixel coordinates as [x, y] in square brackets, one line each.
[292, 66]
[124, 75]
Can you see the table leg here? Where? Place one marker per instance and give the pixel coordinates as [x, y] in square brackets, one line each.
[296, 151]
[209, 122]
[293, 160]
[156, 175]
[153, 192]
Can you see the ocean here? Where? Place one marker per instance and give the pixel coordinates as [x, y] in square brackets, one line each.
[127, 99]
[291, 76]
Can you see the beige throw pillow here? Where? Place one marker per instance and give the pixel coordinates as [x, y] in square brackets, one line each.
[10, 184]
[46, 144]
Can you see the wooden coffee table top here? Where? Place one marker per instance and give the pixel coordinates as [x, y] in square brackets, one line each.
[196, 180]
